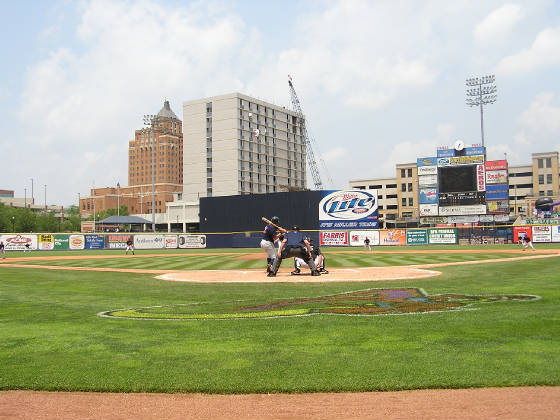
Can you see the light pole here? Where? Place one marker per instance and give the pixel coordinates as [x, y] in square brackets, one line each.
[25, 197]
[482, 92]
[152, 121]
[45, 197]
[13, 224]
[32, 196]
[118, 199]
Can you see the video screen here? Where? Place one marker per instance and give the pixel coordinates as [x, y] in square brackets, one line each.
[457, 178]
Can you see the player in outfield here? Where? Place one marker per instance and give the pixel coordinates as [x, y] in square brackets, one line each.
[294, 244]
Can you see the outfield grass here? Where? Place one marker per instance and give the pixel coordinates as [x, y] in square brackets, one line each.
[53, 340]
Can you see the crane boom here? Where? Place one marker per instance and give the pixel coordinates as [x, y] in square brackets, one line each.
[310, 155]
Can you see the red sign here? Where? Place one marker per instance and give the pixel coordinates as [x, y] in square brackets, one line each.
[520, 231]
[495, 165]
[480, 178]
[334, 238]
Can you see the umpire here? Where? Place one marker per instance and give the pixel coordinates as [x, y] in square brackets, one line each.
[294, 244]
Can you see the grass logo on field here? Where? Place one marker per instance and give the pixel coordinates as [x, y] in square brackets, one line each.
[388, 301]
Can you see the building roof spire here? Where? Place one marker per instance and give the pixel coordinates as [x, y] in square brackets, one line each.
[166, 111]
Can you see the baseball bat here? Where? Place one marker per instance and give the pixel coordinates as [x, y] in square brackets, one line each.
[281, 229]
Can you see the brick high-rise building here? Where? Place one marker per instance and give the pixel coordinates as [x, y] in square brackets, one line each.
[168, 174]
[168, 152]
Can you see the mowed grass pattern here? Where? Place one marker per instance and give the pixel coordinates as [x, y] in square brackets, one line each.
[237, 262]
[52, 338]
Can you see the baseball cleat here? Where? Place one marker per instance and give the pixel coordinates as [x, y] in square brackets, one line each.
[271, 274]
[295, 272]
[315, 273]
[323, 271]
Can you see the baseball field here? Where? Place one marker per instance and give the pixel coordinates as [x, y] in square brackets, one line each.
[210, 323]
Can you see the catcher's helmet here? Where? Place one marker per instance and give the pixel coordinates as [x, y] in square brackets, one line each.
[275, 219]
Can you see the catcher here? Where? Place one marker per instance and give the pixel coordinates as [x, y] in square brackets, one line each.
[318, 258]
[294, 244]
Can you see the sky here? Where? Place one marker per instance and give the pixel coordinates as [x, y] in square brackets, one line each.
[380, 82]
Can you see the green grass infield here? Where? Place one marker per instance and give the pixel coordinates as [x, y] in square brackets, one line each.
[53, 338]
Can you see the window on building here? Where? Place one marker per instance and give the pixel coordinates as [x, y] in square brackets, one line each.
[410, 202]
[391, 196]
[549, 192]
[549, 162]
[403, 187]
[360, 187]
[404, 202]
[549, 178]
[391, 207]
[541, 193]
[410, 186]
[410, 172]
[391, 185]
[541, 179]
[403, 173]
[540, 163]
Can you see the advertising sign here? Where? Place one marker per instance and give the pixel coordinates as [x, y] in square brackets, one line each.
[461, 160]
[496, 177]
[416, 237]
[486, 218]
[521, 231]
[462, 210]
[480, 178]
[428, 209]
[149, 241]
[442, 236]
[463, 219]
[497, 192]
[87, 227]
[498, 206]
[334, 238]
[428, 195]
[555, 233]
[171, 241]
[462, 198]
[357, 237]
[501, 218]
[427, 161]
[61, 242]
[433, 220]
[94, 241]
[45, 242]
[76, 242]
[392, 237]
[348, 209]
[542, 234]
[117, 241]
[495, 165]
[427, 181]
[442, 153]
[473, 151]
[192, 241]
[16, 242]
[427, 170]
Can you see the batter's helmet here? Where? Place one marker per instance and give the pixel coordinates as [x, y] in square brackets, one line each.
[275, 219]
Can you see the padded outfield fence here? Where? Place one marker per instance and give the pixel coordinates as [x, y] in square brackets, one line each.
[477, 235]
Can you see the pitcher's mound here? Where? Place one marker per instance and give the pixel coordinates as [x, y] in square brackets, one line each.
[283, 276]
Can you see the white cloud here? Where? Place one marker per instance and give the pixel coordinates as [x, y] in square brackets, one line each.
[542, 116]
[542, 53]
[498, 24]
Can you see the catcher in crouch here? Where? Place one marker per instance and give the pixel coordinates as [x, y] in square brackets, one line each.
[294, 244]
[318, 258]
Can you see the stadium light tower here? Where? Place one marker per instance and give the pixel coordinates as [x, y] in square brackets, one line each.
[151, 121]
[482, 91]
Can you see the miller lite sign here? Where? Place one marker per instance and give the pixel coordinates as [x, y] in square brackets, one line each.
[348, 209]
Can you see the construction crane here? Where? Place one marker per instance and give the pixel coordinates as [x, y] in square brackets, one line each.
[310, 155]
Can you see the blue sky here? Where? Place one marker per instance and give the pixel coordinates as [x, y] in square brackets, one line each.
[381, 82]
